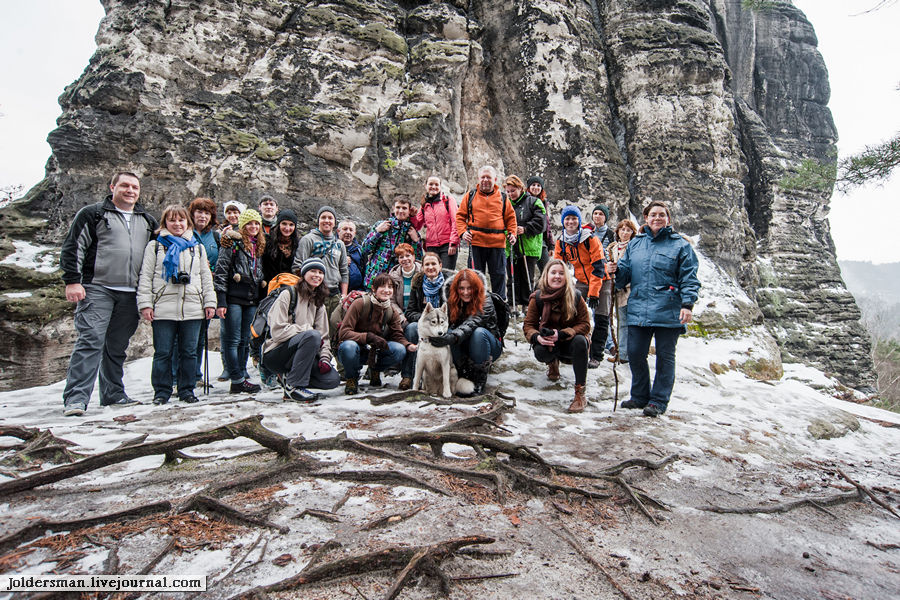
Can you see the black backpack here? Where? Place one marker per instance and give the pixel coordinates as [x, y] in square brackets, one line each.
[259, 327]
[502, 311]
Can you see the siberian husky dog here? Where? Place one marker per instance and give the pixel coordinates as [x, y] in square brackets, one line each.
[435, 371]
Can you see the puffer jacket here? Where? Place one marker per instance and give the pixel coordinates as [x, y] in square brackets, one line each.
[439, 219]
[417, 301]
[587, 259]
[530, 214]
[365, 316]
[306, 316]
[235, 260]
[176, 301]
[487, 217]
[487, 318]
[662, 271]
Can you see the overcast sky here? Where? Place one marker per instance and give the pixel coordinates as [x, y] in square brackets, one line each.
[46, 44]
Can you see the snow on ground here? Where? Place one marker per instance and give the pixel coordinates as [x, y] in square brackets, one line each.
[44, 259]
[740, 442]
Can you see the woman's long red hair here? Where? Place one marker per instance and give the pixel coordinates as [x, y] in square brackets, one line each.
[460, 310]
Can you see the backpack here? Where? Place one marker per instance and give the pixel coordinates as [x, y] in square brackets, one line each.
[259, 327]
[337, 316]
[282, 279]
[502, 310]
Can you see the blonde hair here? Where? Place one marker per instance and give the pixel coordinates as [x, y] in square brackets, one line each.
[569, 309]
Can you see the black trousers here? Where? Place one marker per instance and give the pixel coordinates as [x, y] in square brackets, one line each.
[574, 350]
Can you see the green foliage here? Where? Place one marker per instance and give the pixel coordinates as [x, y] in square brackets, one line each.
[886, 354]
[874, 164]
[390, 163]
[812, 175]
[760, 4]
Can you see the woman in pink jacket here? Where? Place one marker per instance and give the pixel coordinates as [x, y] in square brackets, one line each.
[438, 215]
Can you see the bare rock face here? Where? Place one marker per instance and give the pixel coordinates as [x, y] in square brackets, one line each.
[350, 103]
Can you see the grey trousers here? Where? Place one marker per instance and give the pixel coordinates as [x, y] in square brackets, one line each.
[297, 360]
[105, 321]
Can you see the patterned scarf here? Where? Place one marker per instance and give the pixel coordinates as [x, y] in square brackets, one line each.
[432, 289]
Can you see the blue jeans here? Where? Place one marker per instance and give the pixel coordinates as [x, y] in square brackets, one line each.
[480, 346]
[165, 333]
[236, 340]
[664, 380]
[201, 344]
[411, 333]
[491, 261]
[353, 356]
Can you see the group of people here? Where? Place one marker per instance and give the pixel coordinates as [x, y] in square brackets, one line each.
[334, 298]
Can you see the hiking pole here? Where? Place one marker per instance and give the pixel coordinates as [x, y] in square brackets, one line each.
[615, 339]
[512, 295]
[206, 360]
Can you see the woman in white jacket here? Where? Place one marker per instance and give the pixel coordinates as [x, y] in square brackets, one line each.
[175, 294]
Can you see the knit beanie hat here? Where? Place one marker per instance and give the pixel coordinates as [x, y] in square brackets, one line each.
[602, 207]
[286, 214]
[313, 262]
[247, 216]
[570, 211]
[535, 179]
[325, 209]
[240, 206]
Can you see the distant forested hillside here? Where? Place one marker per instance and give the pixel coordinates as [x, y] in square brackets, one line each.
[877, 291]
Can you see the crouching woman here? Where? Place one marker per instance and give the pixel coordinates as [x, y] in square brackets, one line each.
[473, 337]
[372, 325]
[298, 350]
[175, 294]
[557, 324]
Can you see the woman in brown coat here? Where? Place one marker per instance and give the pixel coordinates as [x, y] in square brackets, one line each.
[558, 324]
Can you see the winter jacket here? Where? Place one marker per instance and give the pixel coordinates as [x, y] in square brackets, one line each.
[587, 258]
[101, 249]
[176, 301]
[530, 214]
[332, 252]
[306, 316]
[274, 261]
[439, 219]
[234, 260]
[487, 318]
[379, 247]
[662, 271]
[417, 300]
[356, 266]
[210, 241]
[355, 324]
[487, 217]
[396, 275]
[578, 324]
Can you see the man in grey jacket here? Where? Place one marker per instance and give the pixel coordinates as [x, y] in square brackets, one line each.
[322, 242]
[101, 259]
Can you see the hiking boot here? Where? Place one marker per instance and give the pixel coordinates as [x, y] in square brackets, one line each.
[121, 402]
[159, 400]
[75, 409]
[580, 402]
[479, 376]
[300, 394]
[593, 363]
[405, 383]
[351, 387]
[632, 403]
[553, 370]
[189, 398]
[375, 379]
[244, 387]
[653, 410]
[272, 382]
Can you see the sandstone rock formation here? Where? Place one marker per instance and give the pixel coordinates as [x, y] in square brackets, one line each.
[697, 102]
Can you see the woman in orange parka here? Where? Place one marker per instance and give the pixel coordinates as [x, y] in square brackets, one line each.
[579, 248]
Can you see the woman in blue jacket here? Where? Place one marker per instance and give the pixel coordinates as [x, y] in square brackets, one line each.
[661, 267]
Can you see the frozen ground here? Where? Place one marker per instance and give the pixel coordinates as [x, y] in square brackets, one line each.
[740, 443]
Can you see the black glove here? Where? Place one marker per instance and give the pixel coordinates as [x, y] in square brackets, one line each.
[594, 303]
[439, 341]
[376, 341]
[546, 332]
[563, 336]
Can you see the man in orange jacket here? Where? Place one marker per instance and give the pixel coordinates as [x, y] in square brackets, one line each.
[486, 219]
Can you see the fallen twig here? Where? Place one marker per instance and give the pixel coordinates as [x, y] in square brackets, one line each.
[868, 493]
[569, 538]
[883, 547]
[786, 506]
[390, 519]
[480, 577]
[636, 500]
[319, 514]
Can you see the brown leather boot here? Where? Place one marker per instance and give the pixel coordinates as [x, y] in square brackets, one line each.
[580, 402]
[553, 370]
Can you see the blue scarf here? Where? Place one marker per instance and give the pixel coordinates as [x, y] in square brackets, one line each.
[432, 289]
[174, 246]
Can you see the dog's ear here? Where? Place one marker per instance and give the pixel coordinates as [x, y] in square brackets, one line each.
[428, 308]
[443, 308]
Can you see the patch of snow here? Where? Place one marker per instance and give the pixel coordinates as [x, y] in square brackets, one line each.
[43, 259]
[17, 294]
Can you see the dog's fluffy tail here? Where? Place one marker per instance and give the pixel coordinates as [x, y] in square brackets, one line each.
[464, 387]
